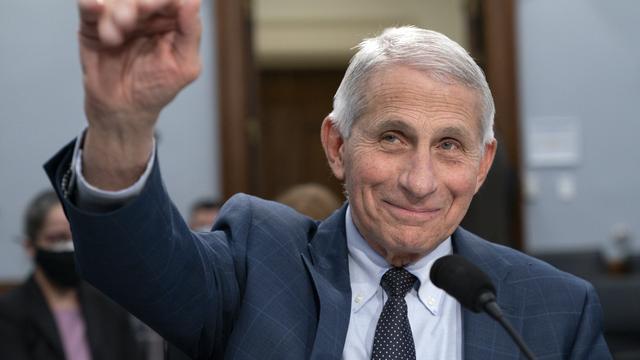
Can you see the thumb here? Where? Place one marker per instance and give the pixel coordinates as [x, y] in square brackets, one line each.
[189, 29]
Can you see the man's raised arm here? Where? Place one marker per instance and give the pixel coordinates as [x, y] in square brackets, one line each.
[136, 56]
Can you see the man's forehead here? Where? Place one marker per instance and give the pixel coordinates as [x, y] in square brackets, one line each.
[393, 81]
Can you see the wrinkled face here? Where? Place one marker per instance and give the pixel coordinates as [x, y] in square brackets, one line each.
[412, 162]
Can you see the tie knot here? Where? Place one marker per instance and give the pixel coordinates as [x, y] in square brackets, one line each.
[397, 282]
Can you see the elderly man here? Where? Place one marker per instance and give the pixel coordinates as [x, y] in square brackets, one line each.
[410, 136]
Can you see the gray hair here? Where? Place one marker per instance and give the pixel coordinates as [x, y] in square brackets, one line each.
[425, 50]
[36, 213]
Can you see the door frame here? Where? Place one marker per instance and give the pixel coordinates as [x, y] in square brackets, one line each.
[237, 76]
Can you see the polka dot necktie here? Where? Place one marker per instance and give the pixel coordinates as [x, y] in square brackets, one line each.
[393, 339]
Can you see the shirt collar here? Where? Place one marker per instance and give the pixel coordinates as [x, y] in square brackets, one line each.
[367, 267]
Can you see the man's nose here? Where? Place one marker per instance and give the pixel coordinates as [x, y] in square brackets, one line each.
[418, 178]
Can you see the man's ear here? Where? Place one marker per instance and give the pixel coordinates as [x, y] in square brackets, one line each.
[333, 142]
[485, 162]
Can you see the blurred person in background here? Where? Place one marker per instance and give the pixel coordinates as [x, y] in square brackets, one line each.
[311, 199]
[53, 314]
[203, 214]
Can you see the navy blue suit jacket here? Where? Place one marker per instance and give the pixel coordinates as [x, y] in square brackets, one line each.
[269, 283]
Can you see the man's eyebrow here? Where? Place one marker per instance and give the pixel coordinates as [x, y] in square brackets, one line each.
[393, 124]
[454, 132]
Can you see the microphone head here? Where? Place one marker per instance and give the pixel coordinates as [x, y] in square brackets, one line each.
[464, 281]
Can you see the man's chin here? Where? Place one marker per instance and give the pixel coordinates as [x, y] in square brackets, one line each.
[414, 248]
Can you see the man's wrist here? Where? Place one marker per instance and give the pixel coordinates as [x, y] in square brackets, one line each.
[89, 196]
[113, 162]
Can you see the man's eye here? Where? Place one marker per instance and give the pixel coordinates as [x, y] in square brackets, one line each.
[448, 145]
[390, 138]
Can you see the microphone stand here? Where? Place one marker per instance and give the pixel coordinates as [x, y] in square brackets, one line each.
[493, 309]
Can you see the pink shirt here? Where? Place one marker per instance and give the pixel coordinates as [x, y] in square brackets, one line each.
[72, 332]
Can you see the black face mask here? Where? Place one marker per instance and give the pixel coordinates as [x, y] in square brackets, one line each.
[58, 267]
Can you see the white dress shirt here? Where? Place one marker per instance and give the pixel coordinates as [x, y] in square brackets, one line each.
[434, 316]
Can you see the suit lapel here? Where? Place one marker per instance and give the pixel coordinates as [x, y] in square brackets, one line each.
[328, 265]
[482, 336]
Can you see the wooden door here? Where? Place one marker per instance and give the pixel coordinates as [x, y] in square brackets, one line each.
[273, 142]
[291, 106]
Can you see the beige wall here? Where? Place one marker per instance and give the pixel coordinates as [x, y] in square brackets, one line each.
[307, 33]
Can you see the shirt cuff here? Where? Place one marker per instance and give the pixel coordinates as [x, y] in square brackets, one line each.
[90, 197]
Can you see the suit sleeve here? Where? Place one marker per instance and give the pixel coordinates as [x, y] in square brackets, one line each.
[589, 342]
[144, 257]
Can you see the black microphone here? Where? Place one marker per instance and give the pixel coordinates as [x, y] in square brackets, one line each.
[474, 290]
